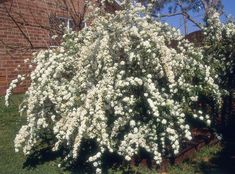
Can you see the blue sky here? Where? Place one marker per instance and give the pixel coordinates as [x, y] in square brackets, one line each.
[229, 6]
[229, 9]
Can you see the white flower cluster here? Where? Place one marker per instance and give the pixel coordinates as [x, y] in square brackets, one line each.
[214, 26]
[121, 83]
[12, 86]
[219, 48]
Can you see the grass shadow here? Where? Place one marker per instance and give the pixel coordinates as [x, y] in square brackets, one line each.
[224, 161]
[40, 157]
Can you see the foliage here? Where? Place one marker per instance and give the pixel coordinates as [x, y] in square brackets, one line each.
[219, 48]
[126, 83]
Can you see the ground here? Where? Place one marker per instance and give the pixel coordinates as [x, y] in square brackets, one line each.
[216, 159]
[16, 163]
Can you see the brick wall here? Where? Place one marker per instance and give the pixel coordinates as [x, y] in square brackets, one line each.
[25, 28]
[196, 37]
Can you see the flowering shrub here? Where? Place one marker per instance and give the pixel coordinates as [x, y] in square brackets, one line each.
[219, 47]
[127, 82]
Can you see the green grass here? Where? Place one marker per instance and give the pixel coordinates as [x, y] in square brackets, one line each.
[17, 163]
[11, 162]
[200, 163]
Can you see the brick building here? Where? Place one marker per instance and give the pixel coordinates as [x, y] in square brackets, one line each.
[27, 26]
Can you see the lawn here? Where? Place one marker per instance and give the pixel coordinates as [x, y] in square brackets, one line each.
[17, 163]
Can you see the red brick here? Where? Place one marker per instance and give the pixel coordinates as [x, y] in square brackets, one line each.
[35, 13]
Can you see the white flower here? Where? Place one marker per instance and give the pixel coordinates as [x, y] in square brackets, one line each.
[164, 121]
[146, 44]
[194, 98]
[127, 158]
[98, 155]
[149, 76]
[176, 152]
[95, 164]
[98, 171]
[122, 63]
[208, 122]
[132, 123]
